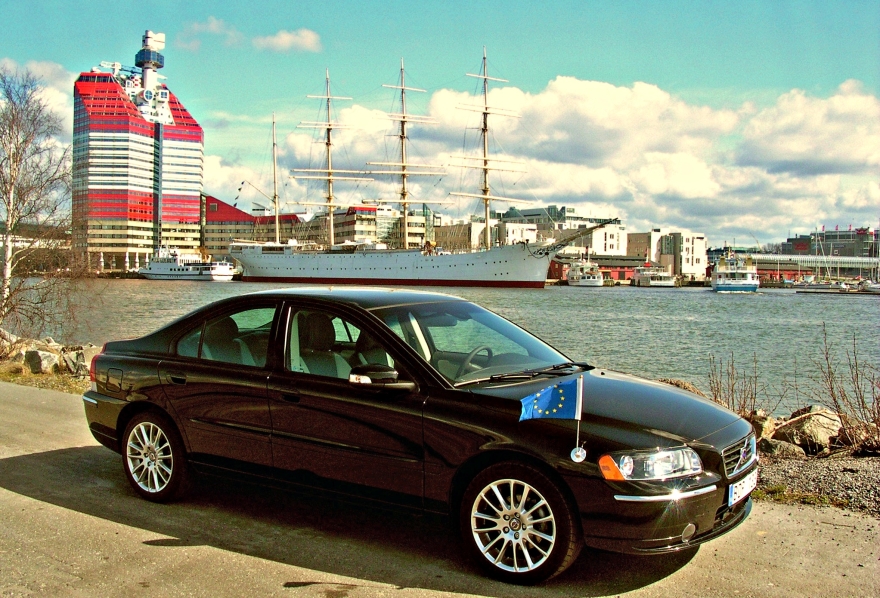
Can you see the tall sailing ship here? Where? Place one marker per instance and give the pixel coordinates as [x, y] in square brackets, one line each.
[519, 265]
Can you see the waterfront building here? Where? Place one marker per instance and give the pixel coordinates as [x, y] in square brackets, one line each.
[682, 253]
[137, 164]
[853, 242]
[609, 240]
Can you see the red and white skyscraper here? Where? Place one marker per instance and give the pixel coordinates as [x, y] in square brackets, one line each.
[137, 163]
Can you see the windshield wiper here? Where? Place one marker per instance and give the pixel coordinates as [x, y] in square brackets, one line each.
[525, 375]
[557, 370]
[560, 369]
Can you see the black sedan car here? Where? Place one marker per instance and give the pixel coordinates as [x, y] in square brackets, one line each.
[428, 401]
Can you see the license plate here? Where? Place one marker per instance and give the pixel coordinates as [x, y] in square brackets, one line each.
[741, 489]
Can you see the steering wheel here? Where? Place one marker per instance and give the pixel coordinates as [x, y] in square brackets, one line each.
[470, 357]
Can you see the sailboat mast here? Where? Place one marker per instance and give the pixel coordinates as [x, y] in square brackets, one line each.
[403, 175]
[484, 134]
[329, 144]
[275, 181]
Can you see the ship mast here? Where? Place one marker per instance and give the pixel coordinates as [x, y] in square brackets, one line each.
[275, 183]
[404, 118]
[484, 161]
[327, 174]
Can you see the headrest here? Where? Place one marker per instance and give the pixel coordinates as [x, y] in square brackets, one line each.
[316, 333]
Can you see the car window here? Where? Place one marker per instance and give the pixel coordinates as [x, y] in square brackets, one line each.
[188, 346]
[240, 338]
[463, 341]
[324, 344]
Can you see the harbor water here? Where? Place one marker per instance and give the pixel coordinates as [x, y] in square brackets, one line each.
[655, 333]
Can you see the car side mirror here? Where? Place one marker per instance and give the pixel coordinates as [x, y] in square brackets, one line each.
[377, 375]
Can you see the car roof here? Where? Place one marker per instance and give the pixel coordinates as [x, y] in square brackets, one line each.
[365, 297]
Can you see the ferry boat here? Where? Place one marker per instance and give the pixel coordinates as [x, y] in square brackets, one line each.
[652, 276]
[518, 265]
[172, 265]
[733, 274]
[584, 273]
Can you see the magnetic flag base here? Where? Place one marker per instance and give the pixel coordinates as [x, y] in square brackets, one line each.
[578, 454]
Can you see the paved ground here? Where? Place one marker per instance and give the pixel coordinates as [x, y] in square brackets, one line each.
[70, 526]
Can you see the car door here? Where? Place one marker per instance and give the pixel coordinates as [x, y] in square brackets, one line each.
[216, 383]
[334, 429]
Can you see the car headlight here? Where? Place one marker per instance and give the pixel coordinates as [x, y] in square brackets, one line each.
[653, 465]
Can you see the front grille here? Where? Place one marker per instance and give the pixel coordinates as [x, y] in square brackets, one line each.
[738, 455]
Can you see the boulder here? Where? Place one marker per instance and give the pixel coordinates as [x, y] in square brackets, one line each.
[811, 428]
[764, 425]
[78, 359]
[778, 448]
[41, 362]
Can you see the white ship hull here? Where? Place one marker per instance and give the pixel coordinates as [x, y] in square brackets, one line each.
[170, 265]
[512, 266]
[740, 281]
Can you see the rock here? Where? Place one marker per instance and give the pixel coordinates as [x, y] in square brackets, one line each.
[41, 362]
[78, 359]
[811, 428]
[763, 424]
[8, 343]
[854, 432]
[682, 384]
[778, 448]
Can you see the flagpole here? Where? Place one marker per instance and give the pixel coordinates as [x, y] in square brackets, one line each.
[578, 454]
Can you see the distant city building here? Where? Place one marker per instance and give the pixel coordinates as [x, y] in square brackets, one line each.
[137, 164]
[854, 242]
[609, 240]
[682, 253]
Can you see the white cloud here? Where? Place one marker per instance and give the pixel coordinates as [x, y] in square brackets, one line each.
[807, 135]
[191, 37]
[57, 90]
[301, 40]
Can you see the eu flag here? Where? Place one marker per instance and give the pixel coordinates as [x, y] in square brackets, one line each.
[560, 401]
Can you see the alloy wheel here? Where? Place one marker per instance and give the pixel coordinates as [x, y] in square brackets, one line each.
[513, 525]
[150, 458]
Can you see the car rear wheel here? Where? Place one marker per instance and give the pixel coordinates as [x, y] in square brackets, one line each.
[517, 524]
[153, 458]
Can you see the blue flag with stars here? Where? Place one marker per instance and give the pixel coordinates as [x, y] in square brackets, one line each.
[560, 401]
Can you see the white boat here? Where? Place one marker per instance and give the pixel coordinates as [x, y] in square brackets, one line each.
[172, 265]
[733, 274]
[519, 265]
[584, 273]
[867, 286]
[826, 286]
[652, 276]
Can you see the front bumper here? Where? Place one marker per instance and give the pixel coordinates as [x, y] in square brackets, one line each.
[632, 523]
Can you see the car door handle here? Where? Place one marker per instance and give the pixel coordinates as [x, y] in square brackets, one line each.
[176, 378]
[289, 397]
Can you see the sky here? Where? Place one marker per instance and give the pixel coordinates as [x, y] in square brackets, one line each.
[747, 121]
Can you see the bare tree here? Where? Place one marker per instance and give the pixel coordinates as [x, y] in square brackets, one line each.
[34, 213]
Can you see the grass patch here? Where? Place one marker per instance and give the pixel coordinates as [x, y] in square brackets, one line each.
[17, 373]
[781, 494]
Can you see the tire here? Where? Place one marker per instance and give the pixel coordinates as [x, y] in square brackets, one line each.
[516, 524]
[154, 459]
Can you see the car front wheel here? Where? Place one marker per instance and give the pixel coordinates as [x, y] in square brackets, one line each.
[153, 458]
[517, 525]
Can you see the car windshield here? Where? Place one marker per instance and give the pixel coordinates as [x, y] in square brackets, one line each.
[466, 343]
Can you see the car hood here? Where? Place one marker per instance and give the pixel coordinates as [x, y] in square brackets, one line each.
[635, 411]
[654, 407]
